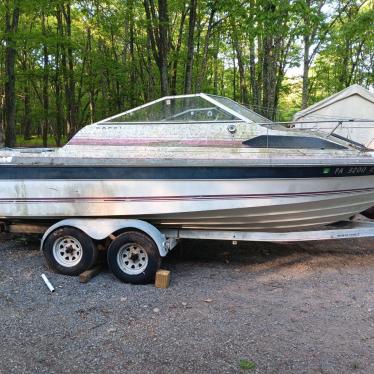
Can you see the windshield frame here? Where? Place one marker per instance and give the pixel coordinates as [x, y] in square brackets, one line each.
[238, 117]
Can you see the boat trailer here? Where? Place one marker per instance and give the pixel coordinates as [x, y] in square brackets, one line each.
[135, 247]
[345, 230]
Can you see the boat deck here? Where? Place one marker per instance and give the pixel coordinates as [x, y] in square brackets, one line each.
[173, 155]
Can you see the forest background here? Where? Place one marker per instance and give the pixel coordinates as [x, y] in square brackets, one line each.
[65, 64]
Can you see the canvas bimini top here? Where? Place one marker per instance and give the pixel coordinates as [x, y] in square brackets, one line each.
[188, 108]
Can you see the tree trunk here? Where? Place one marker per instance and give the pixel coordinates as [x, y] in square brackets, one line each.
[271, 45]
[91, 93]
[163, 45]
[2, 109]
[133, 90]
[2, 112]
[234, 76]
[204, 60]
[1, 121]
[266, 75]
[68, 61]
[242, 81]
[190, 47]
[26, 120]
[151, 84]
[215, 66]
[254, 82]
[11, 25]
[305, 89]
[306, 60]
[45, 86]
[27, 112]
[58, 102]
[158, 33]
[118, 99]
[66, 127]
[252, 72]
[60, 130]
[176, 55]
[269, 78]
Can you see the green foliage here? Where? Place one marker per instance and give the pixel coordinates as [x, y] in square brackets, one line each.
[245, 364]
[349, 54]
[95, 58]
[37, 142]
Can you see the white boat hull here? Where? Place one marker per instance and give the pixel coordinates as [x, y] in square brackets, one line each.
[241, 204]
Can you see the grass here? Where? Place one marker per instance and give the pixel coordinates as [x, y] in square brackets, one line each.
[247, 364]
[36, 142]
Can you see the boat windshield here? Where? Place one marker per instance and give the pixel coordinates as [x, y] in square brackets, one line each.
[241, 109]
[187, 108]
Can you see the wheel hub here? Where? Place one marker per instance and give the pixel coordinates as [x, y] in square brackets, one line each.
[132, 258]
[67, 251]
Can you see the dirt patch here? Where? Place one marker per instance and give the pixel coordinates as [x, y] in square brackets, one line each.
[255, 307]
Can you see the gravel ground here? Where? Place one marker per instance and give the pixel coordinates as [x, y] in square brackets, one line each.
[300, 308]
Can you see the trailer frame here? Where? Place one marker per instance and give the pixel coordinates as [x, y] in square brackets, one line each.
[140, 245]
[166, 239]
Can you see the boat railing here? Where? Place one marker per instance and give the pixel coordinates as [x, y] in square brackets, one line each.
[316, 124]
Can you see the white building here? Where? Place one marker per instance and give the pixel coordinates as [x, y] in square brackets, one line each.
[354, 103]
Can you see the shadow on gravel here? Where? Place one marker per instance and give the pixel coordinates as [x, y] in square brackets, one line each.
[275, 256]
[27, 242]
[256, 257]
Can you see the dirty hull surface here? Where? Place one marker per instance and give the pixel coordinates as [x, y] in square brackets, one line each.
[300, 308]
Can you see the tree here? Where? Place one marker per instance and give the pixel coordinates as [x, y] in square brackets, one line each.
[349, 54]
[190, 47]
[158, 33]
[79, 61]
[12, 13]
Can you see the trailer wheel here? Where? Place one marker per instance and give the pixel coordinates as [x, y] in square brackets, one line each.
[133, 257]
[69, 251]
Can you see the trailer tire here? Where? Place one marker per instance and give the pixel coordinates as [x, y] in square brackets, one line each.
[133, 257]
[69, 251]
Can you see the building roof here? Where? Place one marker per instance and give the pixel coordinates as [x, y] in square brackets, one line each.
[352, 90]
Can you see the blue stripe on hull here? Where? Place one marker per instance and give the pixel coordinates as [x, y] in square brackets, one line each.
[31, 172]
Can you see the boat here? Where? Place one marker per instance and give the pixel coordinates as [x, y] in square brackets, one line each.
[194, 162]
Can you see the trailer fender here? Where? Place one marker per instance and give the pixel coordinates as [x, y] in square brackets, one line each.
[99, 229]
